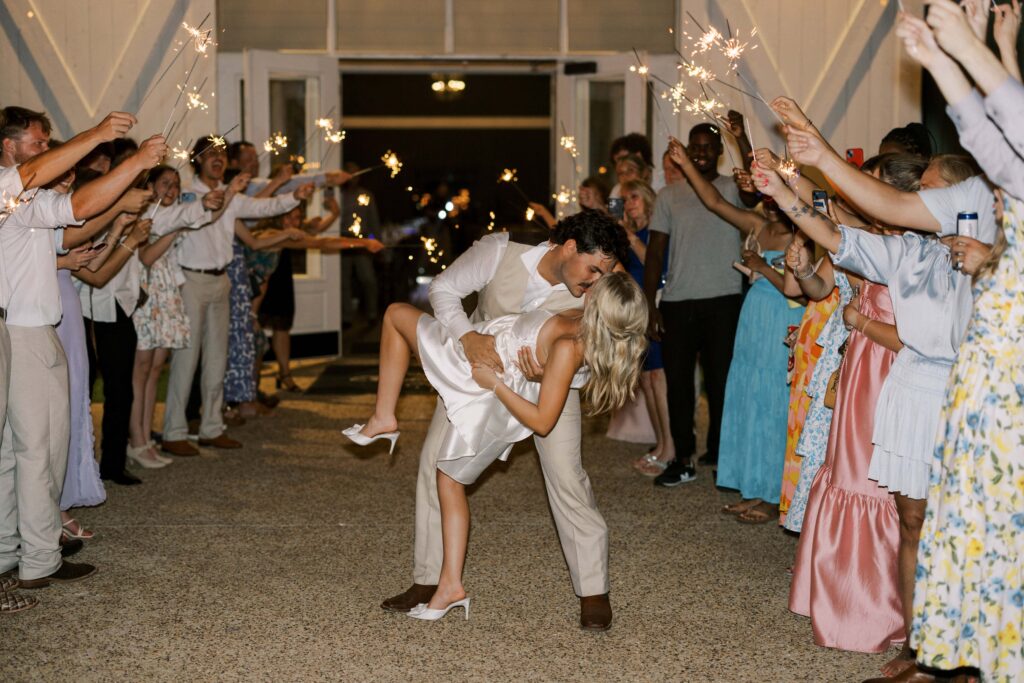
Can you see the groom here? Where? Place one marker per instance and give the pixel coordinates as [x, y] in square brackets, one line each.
[517, 278]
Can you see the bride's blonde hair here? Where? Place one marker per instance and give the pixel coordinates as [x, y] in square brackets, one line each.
[614, 335]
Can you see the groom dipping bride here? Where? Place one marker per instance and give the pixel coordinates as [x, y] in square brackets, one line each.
[514, 368]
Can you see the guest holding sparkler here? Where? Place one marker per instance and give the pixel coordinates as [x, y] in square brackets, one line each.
[592, 195]
[967, 609]
[30, 293]
[204, 256]
[701, 303]
[752, 444]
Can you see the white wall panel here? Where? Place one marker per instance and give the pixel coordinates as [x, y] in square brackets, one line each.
[79, 60]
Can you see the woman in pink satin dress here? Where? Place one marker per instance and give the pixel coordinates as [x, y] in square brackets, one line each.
[845, 576]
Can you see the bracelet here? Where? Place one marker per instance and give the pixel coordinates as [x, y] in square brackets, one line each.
[122, 244]
[809, 275]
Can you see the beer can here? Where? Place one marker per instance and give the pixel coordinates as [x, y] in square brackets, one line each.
[967, 224]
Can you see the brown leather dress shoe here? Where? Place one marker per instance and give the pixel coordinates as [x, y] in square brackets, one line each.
[180, 448]
[403, 602]
[595, 613]
[220, 441]
[68, 571]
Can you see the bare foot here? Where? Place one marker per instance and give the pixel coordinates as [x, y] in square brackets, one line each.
[899, 663]
[446, 595]
[379, 425]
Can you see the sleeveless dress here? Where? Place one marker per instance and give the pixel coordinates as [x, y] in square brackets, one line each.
[484, 429]
[969, 595]
[806, 352]
[161, 322]
[753, 437]
[82, 484]
[813, 441]
[844, 577]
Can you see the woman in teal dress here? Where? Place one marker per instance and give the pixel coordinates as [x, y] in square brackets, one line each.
[752, 445]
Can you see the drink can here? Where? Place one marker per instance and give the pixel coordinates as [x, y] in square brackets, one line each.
[967, 224]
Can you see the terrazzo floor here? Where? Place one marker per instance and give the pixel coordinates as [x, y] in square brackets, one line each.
[269, 563]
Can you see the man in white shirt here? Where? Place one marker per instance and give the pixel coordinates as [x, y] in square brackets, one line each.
[204, 256]
[33, 453]
[517, 278]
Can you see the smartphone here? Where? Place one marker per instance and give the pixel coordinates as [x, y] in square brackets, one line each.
[186, 197]
[855, 155]
[99, 246]
[819, 198]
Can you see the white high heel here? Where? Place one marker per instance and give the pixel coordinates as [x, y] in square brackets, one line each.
[421, 611]
[353, 433]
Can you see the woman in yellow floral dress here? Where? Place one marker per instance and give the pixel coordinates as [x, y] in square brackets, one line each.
[969, 591]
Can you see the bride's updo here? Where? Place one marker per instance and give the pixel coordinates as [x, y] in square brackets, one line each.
[614, 335]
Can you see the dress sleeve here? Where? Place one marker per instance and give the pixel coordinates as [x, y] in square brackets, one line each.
[997, 151]
[875, 257]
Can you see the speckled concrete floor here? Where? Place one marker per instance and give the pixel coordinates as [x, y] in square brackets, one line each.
[268, 564]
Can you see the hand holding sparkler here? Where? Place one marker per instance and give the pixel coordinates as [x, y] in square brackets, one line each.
[770, 183]
[744, 181]
[976, 12]
[151, 152]
[214, 200]
[677, 153]
[115, 125]
[766, 159]
[134, 200]
[1006, 27]
[304, 192]
[791, 114]
[952, 31]
[139, 233]
[919, 41]
[239, 183]
[805, 148]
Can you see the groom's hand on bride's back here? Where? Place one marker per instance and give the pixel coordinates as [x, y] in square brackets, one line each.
[479, 350]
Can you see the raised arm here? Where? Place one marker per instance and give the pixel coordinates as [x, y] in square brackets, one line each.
[1005, 30]
[116, 260]
[96, 196]
[871, 196]
[271, 239]
[133, 201]
[814, 281]
[814, 224]
[562, 363]
[48, 166]
[746, 221]
[954, 35]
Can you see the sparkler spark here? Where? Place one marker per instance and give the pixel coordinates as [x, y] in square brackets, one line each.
[568, 143]
[275, 143]
[643, 70]
[707, 40]
[563, 196]
[218, 141]
[530, 213]
[357, 225]
[201, 40]
[326, 124]
[788, 170]
[335, 136]
[179, 153]
[508, 176]
[390, 160]
[363, 199]
[195, 101]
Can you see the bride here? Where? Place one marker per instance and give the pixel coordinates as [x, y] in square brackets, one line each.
[598, 349]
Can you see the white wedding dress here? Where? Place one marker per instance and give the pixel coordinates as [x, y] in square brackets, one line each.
[484, 430]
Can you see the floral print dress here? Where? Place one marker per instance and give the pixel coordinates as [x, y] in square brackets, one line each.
[969, 595]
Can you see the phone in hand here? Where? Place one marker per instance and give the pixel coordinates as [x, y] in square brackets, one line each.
[855, 156]
[819, 198]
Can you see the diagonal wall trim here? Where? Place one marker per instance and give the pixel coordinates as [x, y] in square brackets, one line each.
[35, 74]
[159, 51]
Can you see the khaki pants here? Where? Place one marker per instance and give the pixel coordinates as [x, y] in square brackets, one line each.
[581, 529]
[207, 304]
[34, 452]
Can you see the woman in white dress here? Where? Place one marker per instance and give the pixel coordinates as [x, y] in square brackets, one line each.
[598, 349]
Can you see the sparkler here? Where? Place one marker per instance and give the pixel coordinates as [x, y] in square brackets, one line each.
[390, 161]
[274, 144]
[363, 199]
[644, 71]
[9, 204]
[357, 225]
[219, 142]
[190, 29]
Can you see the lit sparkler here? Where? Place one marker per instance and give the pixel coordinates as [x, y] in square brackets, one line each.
[201, 40]
[357, 225]
[508, 176]
[275, 143]
[180, 153]
[180, 51]
[789, 170]
[391, 161]
[568, 143]
[195, 101]
[363, 199]
[530, 213]
[9, 204]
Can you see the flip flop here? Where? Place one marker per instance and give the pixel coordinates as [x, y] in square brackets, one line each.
[737, 509]
[756, 516]
[650, 463]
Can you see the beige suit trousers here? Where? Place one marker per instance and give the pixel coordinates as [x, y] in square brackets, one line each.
[581, 528]
[34, 452]
[207, 305]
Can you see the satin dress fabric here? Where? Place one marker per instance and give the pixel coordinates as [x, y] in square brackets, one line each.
[484, 429]
[844, 577]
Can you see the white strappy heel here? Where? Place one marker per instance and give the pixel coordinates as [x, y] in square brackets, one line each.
[359, 439]
[421, 611]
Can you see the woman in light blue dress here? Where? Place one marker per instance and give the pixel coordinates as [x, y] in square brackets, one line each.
[752, 446]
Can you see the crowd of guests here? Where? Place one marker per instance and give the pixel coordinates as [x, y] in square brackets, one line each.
[110, 270]
[859, 341]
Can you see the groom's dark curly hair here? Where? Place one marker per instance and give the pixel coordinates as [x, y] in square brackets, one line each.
[593, 231]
